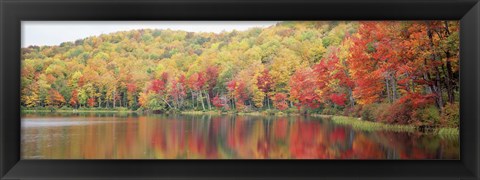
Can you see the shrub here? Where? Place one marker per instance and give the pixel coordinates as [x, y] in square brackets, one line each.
[330, 111]
[312, 111]
[450, 116]
[172, 111]
[368, 112]
[349, 111]
[83, 108]
[414, 109]
[427, 116]
[279, 101]
[51, 108]
[399, 113]
[140, 109]
[357, 111]
[271, 111]
[381, 112]
[291, 110]
[65, 108]
[121, 109]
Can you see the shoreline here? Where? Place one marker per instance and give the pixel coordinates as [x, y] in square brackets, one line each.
[74, 111]
[354, 122]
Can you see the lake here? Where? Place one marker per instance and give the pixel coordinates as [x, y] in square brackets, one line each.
[135, 136]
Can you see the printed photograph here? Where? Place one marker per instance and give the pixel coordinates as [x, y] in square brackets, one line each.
[369, 90]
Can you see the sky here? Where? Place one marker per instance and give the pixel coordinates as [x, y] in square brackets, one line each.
[55, 32]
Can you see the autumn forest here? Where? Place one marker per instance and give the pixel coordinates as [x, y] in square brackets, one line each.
[392, 72]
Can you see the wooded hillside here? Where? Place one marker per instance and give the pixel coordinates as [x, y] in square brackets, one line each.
[392, 71]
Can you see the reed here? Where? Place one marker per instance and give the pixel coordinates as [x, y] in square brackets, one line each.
[448, 132]
[371, 126]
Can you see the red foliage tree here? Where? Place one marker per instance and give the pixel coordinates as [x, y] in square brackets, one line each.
[131, 88]
[238, 90]
[91, 102]
[74, 98]
[372, 59]
[417, 100]
[338, 99]
[279, 101]
[303, 88]
[55, 98]
[81, 81]
[178, 90]
[211, 76]
[197, 81]
[159, 85]
[231, 85]
[217, 102]
[265, 81]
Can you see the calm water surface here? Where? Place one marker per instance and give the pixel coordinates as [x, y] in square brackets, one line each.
[132, 136]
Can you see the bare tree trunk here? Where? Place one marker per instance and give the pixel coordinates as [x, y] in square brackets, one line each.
[439, 89]
[193, 99]
[201, 99]
[394, 87]
[268, 102]
[114, 98]
[350, 94]
[388, 90]
[120, 101]
[167, 103]
[208, 100]
[125, 99]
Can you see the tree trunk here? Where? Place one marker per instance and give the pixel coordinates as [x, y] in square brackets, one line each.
[446, 27]
[125, 99]
[352, 99]
[120, 101]
[394, 87]
[388, 90]
[437, 87]
[449, 80]
[201, 99]
[193, 100]
[114, 98]
[208, 100]
[268, 102]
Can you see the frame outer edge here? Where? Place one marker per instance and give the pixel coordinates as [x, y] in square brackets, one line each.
[476, 169]
[2, 173]
[477, 173]
[472, 163]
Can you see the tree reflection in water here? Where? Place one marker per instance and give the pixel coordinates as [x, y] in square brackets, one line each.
[131, 136]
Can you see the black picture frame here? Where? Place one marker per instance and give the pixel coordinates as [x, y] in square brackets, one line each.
[12, 12]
